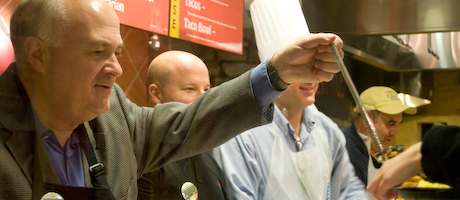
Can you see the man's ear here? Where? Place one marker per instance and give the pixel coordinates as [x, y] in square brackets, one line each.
[371, 117]
[154, 94]
[35, 48]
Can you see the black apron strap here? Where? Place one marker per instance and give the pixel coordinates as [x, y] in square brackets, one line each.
[100, 190]
[38, 186]
[97, 169]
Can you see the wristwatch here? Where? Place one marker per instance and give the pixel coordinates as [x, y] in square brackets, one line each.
[275, 80]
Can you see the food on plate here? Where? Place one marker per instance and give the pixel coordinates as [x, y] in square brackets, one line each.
[426, 184]
[412, 182]
[419, 182]
[393, 154]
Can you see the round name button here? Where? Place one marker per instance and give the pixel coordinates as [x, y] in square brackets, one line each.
[52, 196]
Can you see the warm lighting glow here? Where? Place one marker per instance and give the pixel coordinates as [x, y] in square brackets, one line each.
[413, 101]
[154, 42]
[96, 6]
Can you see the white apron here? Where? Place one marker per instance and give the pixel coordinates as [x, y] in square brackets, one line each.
[371, 170]
[299, 175]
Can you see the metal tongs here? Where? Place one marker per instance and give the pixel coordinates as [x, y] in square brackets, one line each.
[382, 154]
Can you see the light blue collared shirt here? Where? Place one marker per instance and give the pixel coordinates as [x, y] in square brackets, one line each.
[246, 159]
[264, 94]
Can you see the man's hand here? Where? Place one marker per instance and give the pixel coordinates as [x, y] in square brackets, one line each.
[395, 171]
[308, 59]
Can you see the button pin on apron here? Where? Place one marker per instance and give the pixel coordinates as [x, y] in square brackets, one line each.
[52, 196]
[189, 191]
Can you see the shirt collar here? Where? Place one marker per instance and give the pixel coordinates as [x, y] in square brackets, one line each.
[366, 140]
[308, 122]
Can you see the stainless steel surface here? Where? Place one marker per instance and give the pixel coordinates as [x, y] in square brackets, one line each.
[446, 45]
[382, 153]
[382, 17]
[387, 53]
[408, 35]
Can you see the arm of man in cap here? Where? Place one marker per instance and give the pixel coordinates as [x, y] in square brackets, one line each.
[395, 171]
[437, 156]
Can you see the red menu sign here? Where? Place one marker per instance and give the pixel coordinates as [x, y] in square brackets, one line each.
[149, 15]
[214, 23]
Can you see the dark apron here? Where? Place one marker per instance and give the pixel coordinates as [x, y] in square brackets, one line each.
[100, 189]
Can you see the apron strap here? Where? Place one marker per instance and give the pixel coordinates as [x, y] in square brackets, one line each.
[100, 190]
[96, 169]
[38, 186]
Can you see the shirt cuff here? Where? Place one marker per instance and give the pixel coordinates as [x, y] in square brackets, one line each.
[264, 93]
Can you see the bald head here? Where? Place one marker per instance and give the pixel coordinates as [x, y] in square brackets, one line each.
[90, 12]
[176, 76]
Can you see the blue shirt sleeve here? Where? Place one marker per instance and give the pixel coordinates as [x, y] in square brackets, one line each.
[264, 93]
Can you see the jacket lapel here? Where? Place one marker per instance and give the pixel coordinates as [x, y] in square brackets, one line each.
[21, 147]
[17, 118]
[48, 173]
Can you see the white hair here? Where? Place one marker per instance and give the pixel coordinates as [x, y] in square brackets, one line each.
[45, 19]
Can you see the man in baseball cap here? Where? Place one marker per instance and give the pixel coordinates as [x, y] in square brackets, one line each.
[385, 100]
[385, 110]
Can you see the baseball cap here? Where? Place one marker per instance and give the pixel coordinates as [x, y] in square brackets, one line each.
[385, 100]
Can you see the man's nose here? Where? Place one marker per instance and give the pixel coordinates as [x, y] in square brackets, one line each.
[113, 67]
[394, 131]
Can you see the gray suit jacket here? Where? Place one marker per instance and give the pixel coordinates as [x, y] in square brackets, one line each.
[129, 140]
